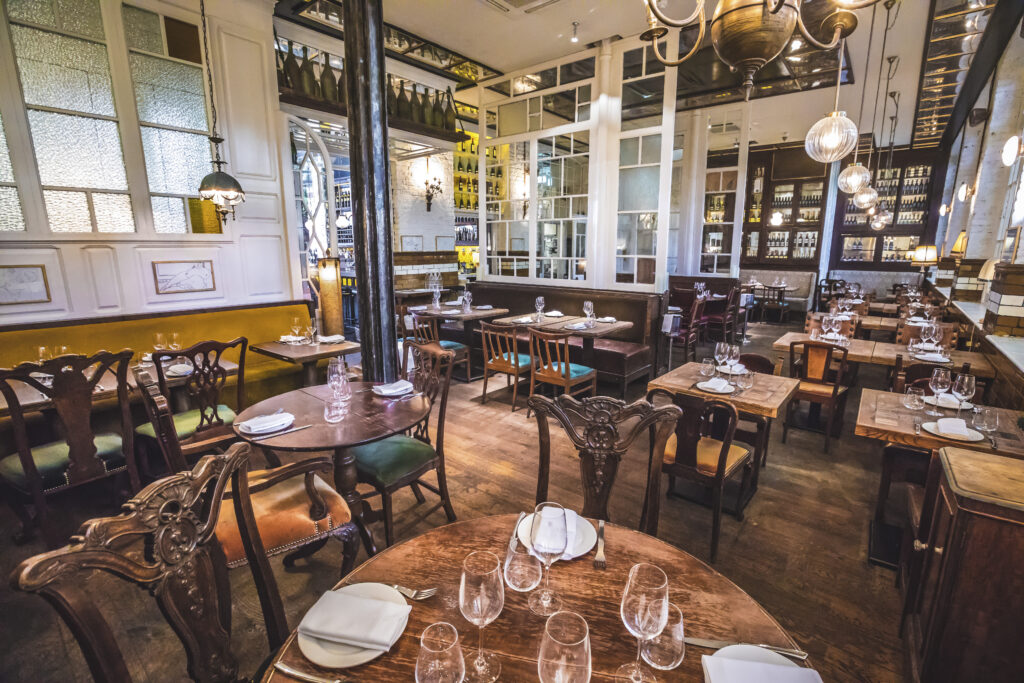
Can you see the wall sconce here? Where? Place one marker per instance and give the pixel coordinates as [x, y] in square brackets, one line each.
[1013, 148]
[943, 209]
[963, 192]
[433, 187]
[329, 273]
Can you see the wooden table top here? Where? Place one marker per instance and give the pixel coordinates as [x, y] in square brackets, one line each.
[766, 398]
[304, 353]
[456, 313]
[883, 308]
[370, 418]
[859, 350]
[877, 322]
[713, 607]
[882, 416]
[885, 354]
[549, 324]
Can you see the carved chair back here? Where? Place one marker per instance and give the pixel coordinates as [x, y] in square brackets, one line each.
[817, 362]
[424, 329]
[163, 541]
[160, 415]
[500, 347]
[206, 382]
[755, 362]
[432, 375]
[74, 379]
[700, 418]
[602, 430]
[549, 351]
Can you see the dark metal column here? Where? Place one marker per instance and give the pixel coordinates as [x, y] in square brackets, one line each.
[371, 191]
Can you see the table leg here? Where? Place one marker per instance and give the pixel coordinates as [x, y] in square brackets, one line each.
[588, 351]
[345, 480]
[309, 376]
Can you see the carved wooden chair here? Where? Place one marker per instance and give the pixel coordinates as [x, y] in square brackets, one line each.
[701, 450]
[723, 321]
[686, 330]
[81, 455]
[774, 298]
[821, 384]
[602, 430]
[549, 356]
[164, 541]
[425, 331]
[207, 425]
[403, 459]
[501, 354]
[295, 516]
[906, 331]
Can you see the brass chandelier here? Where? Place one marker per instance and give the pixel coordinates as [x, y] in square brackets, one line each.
[747, 34]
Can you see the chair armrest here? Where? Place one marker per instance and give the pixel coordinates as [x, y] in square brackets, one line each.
[279, 474]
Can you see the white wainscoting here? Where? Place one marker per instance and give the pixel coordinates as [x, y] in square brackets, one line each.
[56, 279]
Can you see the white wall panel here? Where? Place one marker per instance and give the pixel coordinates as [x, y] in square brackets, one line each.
[263, 270]
[50, 258]
[104, 277]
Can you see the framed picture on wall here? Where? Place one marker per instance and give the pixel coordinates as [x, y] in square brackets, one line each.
[24, 284]
[444, 243]
[412, 242]
[181, 277]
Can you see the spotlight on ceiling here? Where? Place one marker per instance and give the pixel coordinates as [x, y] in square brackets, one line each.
[575, 32]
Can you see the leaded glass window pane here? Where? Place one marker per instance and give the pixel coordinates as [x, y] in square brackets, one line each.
[67, 211]
[75, 151]
[81, 16]
[142, 29]
[6, 172]
[169, 215]
[168, 93]
[113, 212]
[11, 219]
[62, 72]
[175, 161]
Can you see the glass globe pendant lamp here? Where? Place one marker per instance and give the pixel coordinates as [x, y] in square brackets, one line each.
[865, 198]
[877, 224]
[854, 178]
[832, 138]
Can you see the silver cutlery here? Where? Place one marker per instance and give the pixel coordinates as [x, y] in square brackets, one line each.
[303, 676]
[287, 431]
[406, 397]
[599, 562]
[514, 541]
[719, 644]
[414, 594]
[917, 426]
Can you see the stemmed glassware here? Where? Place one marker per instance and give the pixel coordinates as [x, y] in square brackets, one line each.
[538, 306]
[336, 406]
[962, 390]
[939, 384]
[467, 301]
[523, 571]
[666, 650]
[174, 343]
[644, 611]
[548, 539]
[296, 325]
[564, 649]
[440, 658]
[311, 333]
[588, 311]
[721, 353]
[481, 599]
[733, 359]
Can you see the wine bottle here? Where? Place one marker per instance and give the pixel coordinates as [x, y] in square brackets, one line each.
[449, 114]
[307, 76]
[415, 105]
[403, 107]
[438, 112]
[292, 69]
[328, 81]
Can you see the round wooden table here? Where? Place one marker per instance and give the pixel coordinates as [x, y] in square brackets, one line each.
[370, 418]
[713, 607]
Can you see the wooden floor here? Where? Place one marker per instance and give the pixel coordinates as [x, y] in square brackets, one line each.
[801, 550]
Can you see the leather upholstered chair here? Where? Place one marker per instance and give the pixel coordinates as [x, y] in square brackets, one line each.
[821, 384]
[424, 331]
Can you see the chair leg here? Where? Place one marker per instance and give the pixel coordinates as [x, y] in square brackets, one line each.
[468, 367]
[483, 397]
[593, 387]
[748, 472]
[716, 522]
[349, 537]
[442, 486]
[670, 345]
[533, 380]
[304, 551]
[389, 524]
[789, 418]
[515, 390]
[828, 425]
[418, 492]
[671, 485]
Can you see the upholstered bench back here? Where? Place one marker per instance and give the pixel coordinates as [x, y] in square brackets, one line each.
[804, 281]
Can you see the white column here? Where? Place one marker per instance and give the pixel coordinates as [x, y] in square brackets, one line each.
[944, 237]
[605, 156]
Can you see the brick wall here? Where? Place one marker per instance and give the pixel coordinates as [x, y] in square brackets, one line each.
[1004, 314]
[408, 197]
[966, 285]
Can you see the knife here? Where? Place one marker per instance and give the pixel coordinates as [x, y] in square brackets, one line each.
[514, 541]
[303, 676]
[719, 644]
[287, 431]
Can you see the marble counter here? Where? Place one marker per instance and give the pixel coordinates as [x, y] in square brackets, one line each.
[974, 311]
[1011, 347]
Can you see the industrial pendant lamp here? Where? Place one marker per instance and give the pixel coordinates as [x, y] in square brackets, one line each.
[218, 187]
[747, 34]
[834, 136]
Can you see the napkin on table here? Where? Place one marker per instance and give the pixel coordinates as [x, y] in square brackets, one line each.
[947, 401]
[725, 670]
[606, 319]
[267, 422]
[524, 319]
[402, 386]
[418, 308]
[554, 314]
[288, 338]
[576, 326]
[484, 307]
[571, 520]
[331, 338]
[737, 369]
[951, 426]
[179, 370]
[933, 356]
[354, 620]
[716, 384]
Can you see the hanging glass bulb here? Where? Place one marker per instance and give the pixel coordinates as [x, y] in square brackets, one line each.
[865, 198]
[854, 178]
[831, 138]
[885, 215]
[872, 210]
[877, 223]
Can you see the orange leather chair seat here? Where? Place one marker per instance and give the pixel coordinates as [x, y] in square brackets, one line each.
[708, 450]
[815, 389]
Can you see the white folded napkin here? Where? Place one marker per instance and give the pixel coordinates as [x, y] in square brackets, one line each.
[291, 338]
[398, 388]
[726, 670]
[485, 307]
[179, 370]
[927, 346]
[418, 308]
[524, 319]
[331, 338]
[554, 314]
[946, 401]
[842, 317]
[717, 384]
[571, 520]
[856, 301]
[576, 326]
[737, 369]
[832, 336]
[266, 423]
[675, 309]
[454, 302]
[606, 319]
[718, 296]
[933, 357]
[951, 426]
[667, 322]
[353, 620]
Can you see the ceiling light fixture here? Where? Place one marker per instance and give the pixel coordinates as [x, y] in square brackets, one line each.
[835, 136]
[747, 34]
[855, 176]
[796, 44]
[575, 32]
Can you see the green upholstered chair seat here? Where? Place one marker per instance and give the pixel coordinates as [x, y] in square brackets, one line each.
[519, 359]
[388, 460]
[574, 369]
[185, 423]
[451, 345]
[52, 462]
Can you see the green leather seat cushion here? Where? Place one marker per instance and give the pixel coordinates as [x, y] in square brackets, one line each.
[52, 461]
[521, 359]
[185, 423]
[388, 460]
[448, 345]
[574, 369]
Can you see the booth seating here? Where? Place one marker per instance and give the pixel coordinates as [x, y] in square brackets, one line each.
[622, 357]
[801, 299]
[716, 284]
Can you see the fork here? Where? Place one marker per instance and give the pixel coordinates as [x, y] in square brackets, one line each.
[599, 562]
[414, 594]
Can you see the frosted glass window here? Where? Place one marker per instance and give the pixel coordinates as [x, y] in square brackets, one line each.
[142, 29]
[67, 211]
[81, 16]
[11, 219]
[638, 188]
[175, 162]
[62, 72]
[168, 93]
[6, 172]
[36, 11]
[169, 215]
[113, 212]
[75, 151]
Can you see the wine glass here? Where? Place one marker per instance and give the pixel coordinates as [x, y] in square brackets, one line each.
[548, 539]
[939, 384]
[296, 325]
[644, 611]
[174, 341]
[523, 571]
[467, 301]
[564, 649]
[721, 353]
[734, 358]
[481, 599]
[159, 341]
[666, 650]
[311, 333]
[588, 311]
[538, 306]
[440, 658]
[962, 390]
[707, 367]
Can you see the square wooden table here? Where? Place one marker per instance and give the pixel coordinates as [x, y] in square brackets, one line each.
[884, 309]
[877, 322]
[859, 350]
[470, 323]
[587, 334]
[306, 355]
[885, 354]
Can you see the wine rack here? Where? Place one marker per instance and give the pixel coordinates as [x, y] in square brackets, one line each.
[858, 249]
[719, 214]
[898, 248]
[777, 245]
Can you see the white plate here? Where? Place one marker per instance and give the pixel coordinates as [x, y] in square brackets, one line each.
[285, 420]
[703, 387]
[575, 326]
[972, 435]
[525, 319]
[337, 655]
[179, 370]
[965, 405]
[586, 535]
[753, 653]
[726, 370]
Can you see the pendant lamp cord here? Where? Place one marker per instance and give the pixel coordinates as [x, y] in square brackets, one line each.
[209, 80]
[889, 22]
[839, 72]
[867, 63]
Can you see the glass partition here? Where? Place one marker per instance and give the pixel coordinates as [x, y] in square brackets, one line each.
[508, 204]
[636, 233]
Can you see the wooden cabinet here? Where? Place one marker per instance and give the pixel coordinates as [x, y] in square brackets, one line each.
[964, 611]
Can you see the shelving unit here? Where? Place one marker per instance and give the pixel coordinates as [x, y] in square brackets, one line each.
[719, 214]
[467, 203]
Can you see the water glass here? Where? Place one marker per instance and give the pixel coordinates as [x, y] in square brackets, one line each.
[538, 306]
[335, 410]
[440, 658]
[939, 384]
[707, 367]
[745, 381]
[336, 378]
[666, 650]
[467, 301]
[174, 341]
[986, 420]
[481, 599]
[644, 611]
[588, 311]
[564, 649]
[43, 353]
[436, 300]
[913, 399]
[816, 334]
[548, 539]
[963, 390]
[523, 571]
[159, 341]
